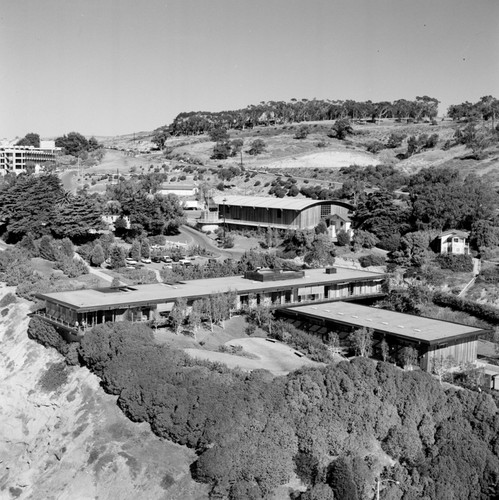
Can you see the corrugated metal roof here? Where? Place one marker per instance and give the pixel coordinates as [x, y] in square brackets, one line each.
[267, 202]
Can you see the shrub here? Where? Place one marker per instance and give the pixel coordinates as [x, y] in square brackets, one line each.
[250, 329]
[391, 243]
[55, 376]
[228, 241]
[487, 275]
[343, 238]
[456, 263]
[46, 248]
[72, 267]
[375, 146]
[301, 132]
[395, 140]
[8, 299]
[371, 260]
[311, 345]
[97, 256]
[257, 147]
[47, 335]
[139, 276]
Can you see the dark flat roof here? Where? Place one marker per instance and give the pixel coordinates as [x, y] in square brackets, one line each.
[95, 299]
[409, 326]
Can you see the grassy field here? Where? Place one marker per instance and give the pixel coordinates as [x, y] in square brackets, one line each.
[258, 353]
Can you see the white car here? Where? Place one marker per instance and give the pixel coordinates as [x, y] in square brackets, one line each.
[131, 261]
[146, 261]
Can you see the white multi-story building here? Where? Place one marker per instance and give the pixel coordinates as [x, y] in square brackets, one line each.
[16, 158]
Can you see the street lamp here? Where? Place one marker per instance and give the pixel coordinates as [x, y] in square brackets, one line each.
[379, 481]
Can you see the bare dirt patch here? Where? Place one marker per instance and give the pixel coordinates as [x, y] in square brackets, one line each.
[326, 159]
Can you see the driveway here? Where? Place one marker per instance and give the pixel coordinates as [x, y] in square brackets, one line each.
[204, 241]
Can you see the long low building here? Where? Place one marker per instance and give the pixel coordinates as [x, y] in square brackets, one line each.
[433, 339]
[278, 213]
[267, 287]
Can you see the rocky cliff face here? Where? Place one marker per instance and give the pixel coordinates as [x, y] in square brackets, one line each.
[62, 437]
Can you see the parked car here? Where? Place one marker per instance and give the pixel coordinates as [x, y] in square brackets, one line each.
[146, 261]
[131, 261]
[185, 262]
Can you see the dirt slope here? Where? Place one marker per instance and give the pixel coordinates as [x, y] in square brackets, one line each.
[73, 442]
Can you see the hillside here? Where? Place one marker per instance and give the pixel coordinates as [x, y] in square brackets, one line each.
[283, 150]
[63, 437]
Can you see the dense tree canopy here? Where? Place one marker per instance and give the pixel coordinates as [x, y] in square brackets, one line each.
[251, 431]
[29, 205]
[379, 214]
[153, 214]
[442, 199]
[38, 205]
[74, 143]
[77, 217]
[296, 111]
[487, 108]
[30, 139]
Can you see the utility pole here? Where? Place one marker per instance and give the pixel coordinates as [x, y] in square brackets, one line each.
[379, 481]
[224, 200]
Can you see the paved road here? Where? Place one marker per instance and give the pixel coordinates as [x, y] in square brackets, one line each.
[92, 270]
[206, 242]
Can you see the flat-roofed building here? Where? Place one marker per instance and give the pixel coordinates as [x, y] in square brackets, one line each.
[180, 190]
[271, 288]
[278, 213]
[433, 339]
[17, 158]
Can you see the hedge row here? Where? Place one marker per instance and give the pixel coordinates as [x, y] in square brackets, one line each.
[483, 311]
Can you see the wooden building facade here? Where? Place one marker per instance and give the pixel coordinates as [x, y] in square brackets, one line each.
[277, 213]
[433, 340]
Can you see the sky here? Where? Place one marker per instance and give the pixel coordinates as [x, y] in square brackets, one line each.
[109, 67]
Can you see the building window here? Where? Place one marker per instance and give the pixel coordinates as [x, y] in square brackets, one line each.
[325, 210]
[456, 240]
